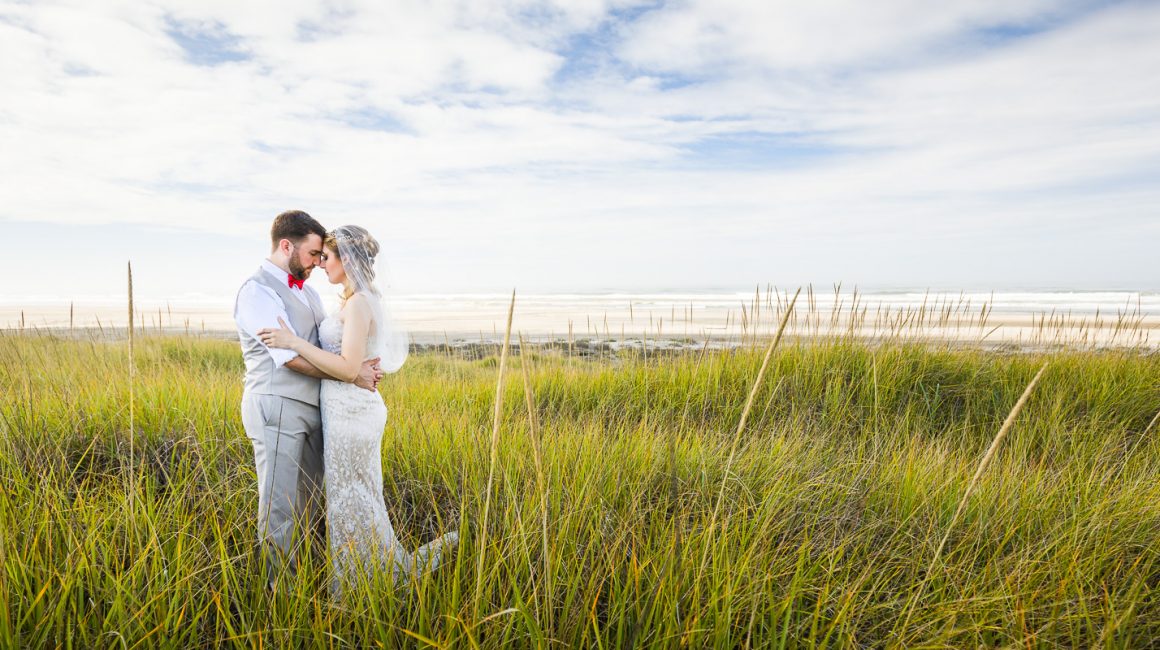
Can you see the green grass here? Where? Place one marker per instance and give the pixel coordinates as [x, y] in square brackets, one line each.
[847, 475]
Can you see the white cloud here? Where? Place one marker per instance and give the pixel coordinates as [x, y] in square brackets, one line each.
[898, 123]
[698, 35]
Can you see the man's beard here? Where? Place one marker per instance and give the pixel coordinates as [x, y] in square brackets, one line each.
[296, 269]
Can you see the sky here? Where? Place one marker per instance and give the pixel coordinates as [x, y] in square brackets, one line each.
[585, 145]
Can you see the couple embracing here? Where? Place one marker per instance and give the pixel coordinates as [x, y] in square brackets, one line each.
[311, 406]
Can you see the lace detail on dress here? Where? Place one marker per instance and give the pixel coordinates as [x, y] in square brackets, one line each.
[361, 535]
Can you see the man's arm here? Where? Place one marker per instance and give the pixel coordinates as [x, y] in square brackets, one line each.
[368, 376]
[260, 307]
[304, 367]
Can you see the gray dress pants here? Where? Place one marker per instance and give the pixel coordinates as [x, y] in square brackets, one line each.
[287, 439]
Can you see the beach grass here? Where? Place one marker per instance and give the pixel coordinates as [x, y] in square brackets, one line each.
[627, 507]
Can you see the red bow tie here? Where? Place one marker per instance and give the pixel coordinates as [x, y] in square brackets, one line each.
[294, 282]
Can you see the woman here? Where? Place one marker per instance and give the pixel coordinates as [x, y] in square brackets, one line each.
[361, 535]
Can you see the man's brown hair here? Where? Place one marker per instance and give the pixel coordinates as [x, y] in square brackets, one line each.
[294, 225]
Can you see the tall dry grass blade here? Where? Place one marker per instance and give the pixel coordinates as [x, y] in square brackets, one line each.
[1151, 424]
[741, 427]
[492, 454]
[990, 454]
[971, 487]
[132, 385]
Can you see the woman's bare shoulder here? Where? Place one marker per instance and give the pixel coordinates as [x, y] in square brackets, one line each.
[357, 306]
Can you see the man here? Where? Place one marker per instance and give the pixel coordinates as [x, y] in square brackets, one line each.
[280, 400]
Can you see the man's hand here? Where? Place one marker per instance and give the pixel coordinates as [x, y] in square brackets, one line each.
[369, 375]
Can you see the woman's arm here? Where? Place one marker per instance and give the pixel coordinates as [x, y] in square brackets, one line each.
[344, 366]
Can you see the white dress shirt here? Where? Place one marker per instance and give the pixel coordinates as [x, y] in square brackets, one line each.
[260, 306]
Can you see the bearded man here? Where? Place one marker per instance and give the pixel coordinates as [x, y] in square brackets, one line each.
[280, 401]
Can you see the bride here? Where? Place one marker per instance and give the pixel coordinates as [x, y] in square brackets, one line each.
[361, 535]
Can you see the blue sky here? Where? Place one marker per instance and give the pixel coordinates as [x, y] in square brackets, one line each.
[588, 144]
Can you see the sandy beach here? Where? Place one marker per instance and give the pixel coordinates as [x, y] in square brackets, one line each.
[1074, 319]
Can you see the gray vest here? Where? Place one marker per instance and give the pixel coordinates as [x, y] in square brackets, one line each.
[262, 376]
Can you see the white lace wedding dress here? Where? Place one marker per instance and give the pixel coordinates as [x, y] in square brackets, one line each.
[361, 536]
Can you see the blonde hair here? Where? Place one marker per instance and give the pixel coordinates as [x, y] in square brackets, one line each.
[365, 248]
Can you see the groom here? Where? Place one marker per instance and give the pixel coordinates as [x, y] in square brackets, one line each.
[280, 400]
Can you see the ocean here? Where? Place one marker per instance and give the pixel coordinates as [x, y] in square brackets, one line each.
[1013, 315]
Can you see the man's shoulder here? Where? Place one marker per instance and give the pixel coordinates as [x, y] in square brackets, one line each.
[254, 287]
